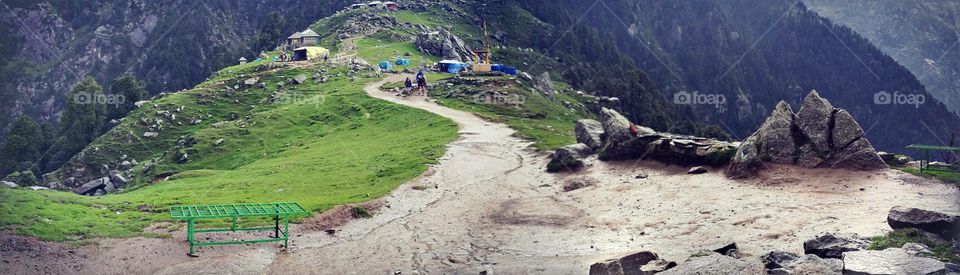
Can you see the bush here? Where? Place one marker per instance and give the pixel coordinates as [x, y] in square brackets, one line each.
[23, 178]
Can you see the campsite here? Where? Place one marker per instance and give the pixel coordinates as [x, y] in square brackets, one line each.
[475, 137]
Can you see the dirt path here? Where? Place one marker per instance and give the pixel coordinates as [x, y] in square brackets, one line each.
[488, 205]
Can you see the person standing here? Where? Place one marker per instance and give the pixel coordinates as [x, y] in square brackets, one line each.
[422, 83]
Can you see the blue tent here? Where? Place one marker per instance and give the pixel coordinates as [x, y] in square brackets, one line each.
[403, 62]
[385, 65]
[509, 70]
[451, 66]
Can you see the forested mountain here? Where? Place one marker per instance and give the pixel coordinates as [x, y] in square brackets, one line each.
[755, 53]
[47, 46]
[921, 35]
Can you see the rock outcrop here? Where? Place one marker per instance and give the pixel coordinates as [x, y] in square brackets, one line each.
[614, 137]
[783, 263]
[714, 263]
[445, 44]
[943, 225]
[833, 246]
[641, 263]
[890, 261]
[818, 135]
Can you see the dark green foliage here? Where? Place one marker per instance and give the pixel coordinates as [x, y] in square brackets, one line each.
[131, 89]
[271, 34]
[359, 212]
[899, 237]
[22, 145]
[22, 178]
[82, 121]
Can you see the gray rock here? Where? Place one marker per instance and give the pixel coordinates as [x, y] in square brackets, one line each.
[37, 188]
[845, 129]
[917, 249]
[589, 132]
[125, 165]
[858, 155]
[777, 135]
[716, 264]
[150, 134]
[943, 225]
[619, 141]
[832, 246]
[783, 263]
[630, 264]
[8, 184]
[813, 120]
[569, 157]
[746, 161]
[656, 266]
[890, 261]
[300, 79]
[697, 170]
[809, 156]
[117, 179]
[251, 81]
[92, 186]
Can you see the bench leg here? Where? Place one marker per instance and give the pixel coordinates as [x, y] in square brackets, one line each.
[286, 230]
[190, 237]
[276, 226]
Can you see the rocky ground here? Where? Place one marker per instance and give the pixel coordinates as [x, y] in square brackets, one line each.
[489, 206]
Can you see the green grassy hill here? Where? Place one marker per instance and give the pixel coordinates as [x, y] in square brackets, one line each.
[321, 144]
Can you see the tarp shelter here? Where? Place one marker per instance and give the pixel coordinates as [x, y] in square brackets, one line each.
[375, 4]
[308, 53]
[504, 69]
[403, 62]
[391, 5]
[451, 66]
[385, 65]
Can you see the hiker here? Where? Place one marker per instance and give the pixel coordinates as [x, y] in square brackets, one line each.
[422, 83]
[326, 57]
[408, 87]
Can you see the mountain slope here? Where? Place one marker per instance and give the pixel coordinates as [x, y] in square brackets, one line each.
[921, 35]
[757, 53]
[50, 45]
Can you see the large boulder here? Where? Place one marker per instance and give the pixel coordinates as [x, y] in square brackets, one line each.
[714, 263]
[945, 226]
[817, 136]
[813, 120]
[589, 132]
[687, 150]
[777, 134]
[569, 158]
[890, 261]
[93, 186]
[641, 263]
[445, 44]
[620, 137]
[833, 246]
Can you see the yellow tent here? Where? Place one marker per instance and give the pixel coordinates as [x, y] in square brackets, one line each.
[308, 53]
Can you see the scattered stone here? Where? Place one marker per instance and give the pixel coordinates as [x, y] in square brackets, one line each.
[917, 249]
[574, 184]
[35, 188]
[300, 79]
[642, 176]
[832, 246]
[218, 142]
[589, 132]
[251, 81]
[778, 259]
[714, 263]
[889, 261]
[943, 225]
[727, 250]
[809, 264]
[150, 134]
[697, 170]
[569, 158]
[126, 165]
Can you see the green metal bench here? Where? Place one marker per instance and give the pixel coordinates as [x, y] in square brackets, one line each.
[925, 163]
[191, 213]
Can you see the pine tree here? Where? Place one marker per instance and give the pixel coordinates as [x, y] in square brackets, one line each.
[21, 146]
[271, 33]
[131, 89]
[82, 121]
